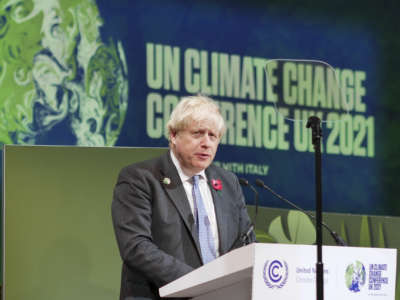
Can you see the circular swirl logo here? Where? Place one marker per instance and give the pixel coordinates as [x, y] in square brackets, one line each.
[275, 273]
[355, 276]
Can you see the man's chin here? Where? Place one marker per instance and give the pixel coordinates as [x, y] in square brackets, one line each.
[202, 165]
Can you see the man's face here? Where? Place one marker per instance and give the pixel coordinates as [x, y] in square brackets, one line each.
[195, 146]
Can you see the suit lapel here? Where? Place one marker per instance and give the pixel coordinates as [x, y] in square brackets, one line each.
[220, 205]
[177, 195]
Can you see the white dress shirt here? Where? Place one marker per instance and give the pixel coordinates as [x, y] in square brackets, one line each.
[205, 194]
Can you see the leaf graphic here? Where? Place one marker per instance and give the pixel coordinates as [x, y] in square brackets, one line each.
[343, 232]
[276, 231]
[301, 229]
[263, 237]
[365, 236]
[381, 238]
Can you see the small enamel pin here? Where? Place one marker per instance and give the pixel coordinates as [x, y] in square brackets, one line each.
[166, 180]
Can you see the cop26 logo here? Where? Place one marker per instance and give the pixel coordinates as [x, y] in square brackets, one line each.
[275, 273]
[355, 276]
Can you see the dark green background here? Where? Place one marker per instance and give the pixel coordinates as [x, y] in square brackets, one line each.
[59, 240]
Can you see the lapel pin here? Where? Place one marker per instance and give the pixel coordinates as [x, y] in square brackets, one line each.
[217, 184]
[166, 180]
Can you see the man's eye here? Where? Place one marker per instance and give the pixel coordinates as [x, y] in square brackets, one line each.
[196, 133]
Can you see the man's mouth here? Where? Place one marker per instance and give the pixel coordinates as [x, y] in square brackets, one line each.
[202, 155]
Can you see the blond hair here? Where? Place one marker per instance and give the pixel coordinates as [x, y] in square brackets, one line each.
[195, 109]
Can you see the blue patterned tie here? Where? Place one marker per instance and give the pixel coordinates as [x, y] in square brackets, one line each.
[203, 224]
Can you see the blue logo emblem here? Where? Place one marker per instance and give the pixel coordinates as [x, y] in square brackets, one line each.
[275, 273]
[355, 276]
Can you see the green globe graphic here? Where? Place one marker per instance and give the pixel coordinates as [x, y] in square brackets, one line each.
[59, 82]
[355, 276]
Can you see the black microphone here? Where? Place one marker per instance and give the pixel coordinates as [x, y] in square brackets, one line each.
[245, 182]
[338, 239]
[243, 238]
[246, 235]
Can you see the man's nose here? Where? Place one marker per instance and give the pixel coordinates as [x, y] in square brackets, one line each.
[206, 141]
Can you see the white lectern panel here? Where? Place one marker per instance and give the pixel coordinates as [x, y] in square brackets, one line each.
[279, 271]
[288, 272]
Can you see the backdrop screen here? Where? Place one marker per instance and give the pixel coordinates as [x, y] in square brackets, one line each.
[108, 73]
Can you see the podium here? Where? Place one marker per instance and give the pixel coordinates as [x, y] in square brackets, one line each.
[281, 271]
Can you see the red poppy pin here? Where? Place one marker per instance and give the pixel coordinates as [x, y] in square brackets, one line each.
[216, 184]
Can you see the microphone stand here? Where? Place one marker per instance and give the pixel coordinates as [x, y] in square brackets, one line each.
[245, 182]
[315, 124]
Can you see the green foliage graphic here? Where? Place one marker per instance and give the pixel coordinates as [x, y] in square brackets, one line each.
[301, 229]
[55, 70]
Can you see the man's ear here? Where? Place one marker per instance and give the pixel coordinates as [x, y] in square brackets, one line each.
[172, 137]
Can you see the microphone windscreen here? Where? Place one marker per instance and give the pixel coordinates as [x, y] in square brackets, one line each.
[259, 182]
[243, 182]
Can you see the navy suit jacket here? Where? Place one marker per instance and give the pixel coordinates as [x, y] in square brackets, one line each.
[155, 228]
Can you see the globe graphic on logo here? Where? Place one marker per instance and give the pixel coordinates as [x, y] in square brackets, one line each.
[355, 276]
[60, 83]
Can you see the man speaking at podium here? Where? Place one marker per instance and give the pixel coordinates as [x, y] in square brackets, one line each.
[177, 212]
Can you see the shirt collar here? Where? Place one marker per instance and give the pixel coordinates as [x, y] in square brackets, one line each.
[182, 175]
